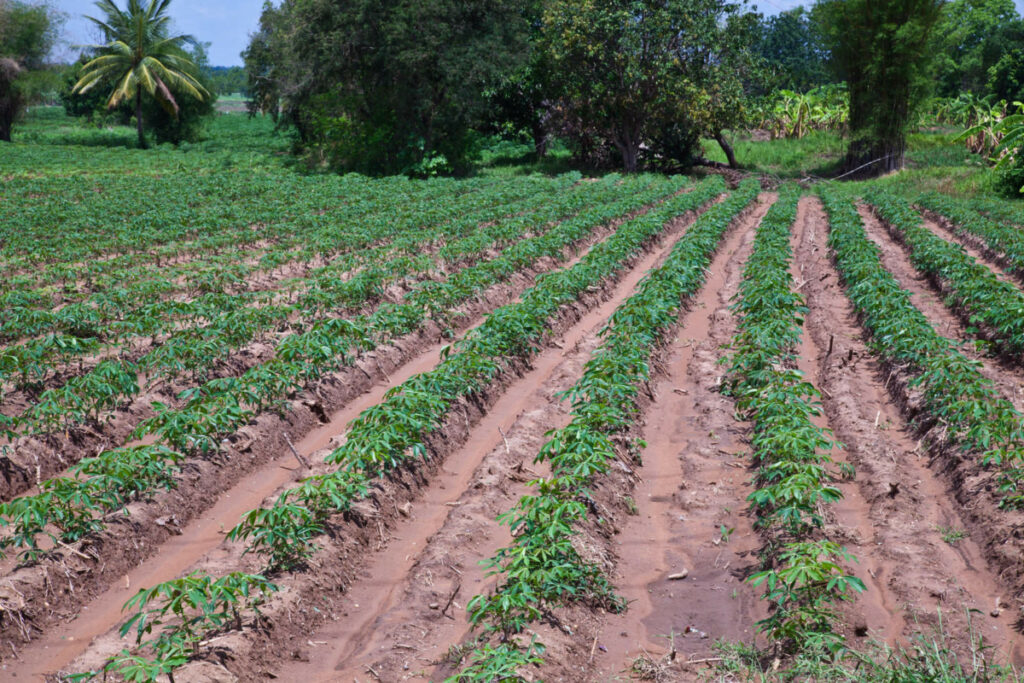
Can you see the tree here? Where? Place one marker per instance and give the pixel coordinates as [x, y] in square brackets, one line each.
[185, 123]
[647, 73]
[790, 43]
[141, 58]
[1006, 77]
[880, 47]
[27, 32]
[228, 80]
[385, 86]
[971, 38]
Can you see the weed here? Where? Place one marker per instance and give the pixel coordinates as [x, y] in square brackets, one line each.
[950, 534]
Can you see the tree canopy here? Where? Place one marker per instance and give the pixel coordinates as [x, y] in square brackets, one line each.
[792, 49]
[385, 85]
[655, 74]
[27, 34]
[880, 48]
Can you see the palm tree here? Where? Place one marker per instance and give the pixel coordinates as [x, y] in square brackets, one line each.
[141, 57]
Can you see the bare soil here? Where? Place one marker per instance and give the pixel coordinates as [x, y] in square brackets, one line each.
[209, 500]
[385, 599]
[897, 509]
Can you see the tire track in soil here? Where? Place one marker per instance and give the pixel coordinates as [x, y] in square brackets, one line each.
[898, 503]
[65, 641]
[1008, 379]
[222, 557]
[694, 480]
[454, 525]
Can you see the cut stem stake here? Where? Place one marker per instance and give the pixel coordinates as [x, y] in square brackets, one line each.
[302, 461]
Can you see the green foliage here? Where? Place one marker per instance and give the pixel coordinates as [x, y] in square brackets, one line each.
[1006, 77]
[928, 657]
[385, 87]
[880, 50]
[189, 610]
[141, 57]
[226, 80]
[791, 46]
[975, 41]
[27, 32]
[788, 114]
[657, 73]
[91, 105]
[188, 123]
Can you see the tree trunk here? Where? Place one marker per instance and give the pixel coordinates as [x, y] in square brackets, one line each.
[629, 157]
[138, 118]
[10, 98]
[5, 125]
[627, 140]
[540, 142]
[727, 148]
[872, 160]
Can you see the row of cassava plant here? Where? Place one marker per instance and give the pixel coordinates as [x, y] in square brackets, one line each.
[98, 251]
[388, 434]
[221, 406]
[991, 304]
[197, 349]
[362, 267]
[111, 289]
[803, 570]
[955, 394]
[394, 432]
[1004, 240]
[542, 569]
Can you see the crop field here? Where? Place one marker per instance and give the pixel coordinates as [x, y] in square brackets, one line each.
[258, 424]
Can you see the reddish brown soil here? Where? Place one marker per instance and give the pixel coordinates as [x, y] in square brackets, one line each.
[32, 459]
[892, 512]
[260, 447]
[975, 246]
[339, 563]
[1011, 364]
[694, 481]
[397, 630]
[385, 599]
[151, 525]
[927, 295]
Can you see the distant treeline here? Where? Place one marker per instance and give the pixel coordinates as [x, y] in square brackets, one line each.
[227, 80]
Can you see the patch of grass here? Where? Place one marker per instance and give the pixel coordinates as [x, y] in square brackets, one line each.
[505, 158]
[927, 658]
[234, 134]
[818, 154]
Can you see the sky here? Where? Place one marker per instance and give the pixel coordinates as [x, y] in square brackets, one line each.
[227, 25]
